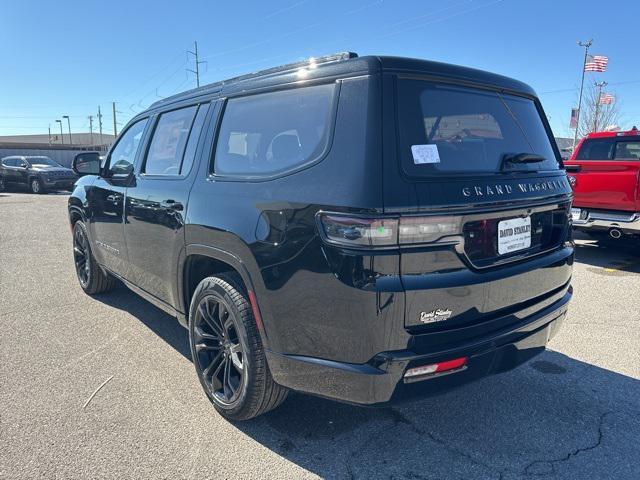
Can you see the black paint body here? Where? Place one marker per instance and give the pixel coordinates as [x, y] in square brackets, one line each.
[337, 322]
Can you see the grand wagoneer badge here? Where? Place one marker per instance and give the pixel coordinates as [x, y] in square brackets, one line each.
[433, 316]
[506, 189]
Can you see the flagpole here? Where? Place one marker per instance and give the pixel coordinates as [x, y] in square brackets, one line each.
[586, 46]
[595, 120]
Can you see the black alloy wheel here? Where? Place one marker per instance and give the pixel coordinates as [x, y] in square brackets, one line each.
[227, 350]
[2, 184]
[93, 279]
[81, 256]
[219, 351]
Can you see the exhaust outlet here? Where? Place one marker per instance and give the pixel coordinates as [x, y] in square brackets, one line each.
[615, 233]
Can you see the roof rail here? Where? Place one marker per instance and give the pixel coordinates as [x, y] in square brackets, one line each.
[311, 62]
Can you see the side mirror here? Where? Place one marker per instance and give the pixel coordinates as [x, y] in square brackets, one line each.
[86, 163]
[25, 166]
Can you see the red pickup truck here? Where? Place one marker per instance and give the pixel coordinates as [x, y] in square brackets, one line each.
[604, 171]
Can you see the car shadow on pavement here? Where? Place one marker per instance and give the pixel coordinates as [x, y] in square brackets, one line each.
[162, 324]
[621, 255]
[554, 417]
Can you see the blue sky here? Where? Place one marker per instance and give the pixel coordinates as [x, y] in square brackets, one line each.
[68, 57]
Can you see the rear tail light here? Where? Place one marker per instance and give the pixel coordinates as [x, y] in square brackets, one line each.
[387, 232]
[450, 366]
[356, 231]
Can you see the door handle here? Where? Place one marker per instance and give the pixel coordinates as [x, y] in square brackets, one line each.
[172, 205]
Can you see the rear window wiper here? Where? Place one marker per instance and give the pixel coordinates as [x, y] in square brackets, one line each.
[519, 158]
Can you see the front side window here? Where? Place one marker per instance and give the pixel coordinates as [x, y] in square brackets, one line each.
[270, 133]
[448, 130]
[627, 150]
[596, 149]
[124, 153]
[169, 142]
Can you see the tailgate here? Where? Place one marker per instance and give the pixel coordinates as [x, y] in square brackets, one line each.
[470, 281]
[607, 185]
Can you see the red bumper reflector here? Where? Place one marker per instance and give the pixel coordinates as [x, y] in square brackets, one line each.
[449, 365]
[256, 311]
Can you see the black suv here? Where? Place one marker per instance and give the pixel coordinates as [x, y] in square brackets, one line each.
[359, 228]
[38, 173]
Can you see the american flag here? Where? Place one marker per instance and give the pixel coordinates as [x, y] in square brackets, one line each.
[606, 99]
[596, 63]
[573, 123]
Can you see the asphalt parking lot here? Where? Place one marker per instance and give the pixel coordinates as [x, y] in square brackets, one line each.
[573, 412]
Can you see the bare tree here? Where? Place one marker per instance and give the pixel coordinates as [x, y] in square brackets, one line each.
[607, 115]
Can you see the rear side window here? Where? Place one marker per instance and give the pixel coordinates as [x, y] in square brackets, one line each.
[627, 150]
[596, 149]
[449, 130]
[9, 162]
[267, 134]
[169, 142]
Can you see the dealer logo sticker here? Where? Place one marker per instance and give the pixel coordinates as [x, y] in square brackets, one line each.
[433, 316]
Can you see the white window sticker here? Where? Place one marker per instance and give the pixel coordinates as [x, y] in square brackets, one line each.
[425, 154]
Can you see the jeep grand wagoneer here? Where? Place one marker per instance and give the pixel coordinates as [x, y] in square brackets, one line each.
[359, 228]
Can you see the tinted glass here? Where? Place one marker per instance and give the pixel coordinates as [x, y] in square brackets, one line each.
[596, 149]
[453, 130]
[9, 162]
[627, 150]
[124, 153]
[274, 132]
[192, 143]
[169, 142]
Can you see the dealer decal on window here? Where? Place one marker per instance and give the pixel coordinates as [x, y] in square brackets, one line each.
[425, 154]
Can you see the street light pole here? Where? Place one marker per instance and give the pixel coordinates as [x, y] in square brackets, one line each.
[69, 125]
[600, 86]
[61, 134]
[586, 46]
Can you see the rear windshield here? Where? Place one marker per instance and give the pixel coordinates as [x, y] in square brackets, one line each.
[612, 148]
[448, 130]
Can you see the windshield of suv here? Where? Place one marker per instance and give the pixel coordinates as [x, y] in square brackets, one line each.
[43, 161]
[446, 129]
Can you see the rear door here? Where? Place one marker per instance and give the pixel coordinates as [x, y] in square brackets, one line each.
[9, 170]
[608, 172]
[487, 230]
[156, 200]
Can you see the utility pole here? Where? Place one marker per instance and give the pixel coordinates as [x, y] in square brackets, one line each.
[198, 62]
[91, 128]
[600, 86]
[49, 134]
[100, 124]
[586, 46]
[115, 124]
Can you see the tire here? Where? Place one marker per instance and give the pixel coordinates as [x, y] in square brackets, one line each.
[93, 279]
[35, 186]
[2, 185]
[227, 351]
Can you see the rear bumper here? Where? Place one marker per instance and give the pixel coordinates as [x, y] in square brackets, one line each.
[627, 222]
[381, 380]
